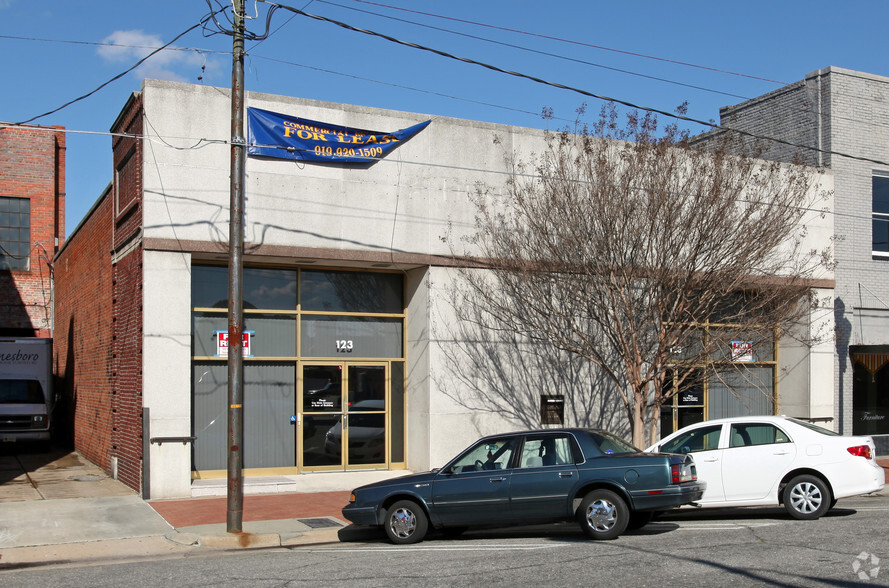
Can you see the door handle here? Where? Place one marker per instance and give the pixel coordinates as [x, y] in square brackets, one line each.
[566, 474]
[498, 479]
[710, 459]
[781, 453]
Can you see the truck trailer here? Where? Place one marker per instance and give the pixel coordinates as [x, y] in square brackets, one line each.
[26, 394]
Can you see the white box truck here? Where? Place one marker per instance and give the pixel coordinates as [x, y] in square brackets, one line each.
[26, 394]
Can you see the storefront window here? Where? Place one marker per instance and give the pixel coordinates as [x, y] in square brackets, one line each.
[351, 336]
[331, 291]
[870, 398]
[739, 390]
[269, 289]
[350, 329]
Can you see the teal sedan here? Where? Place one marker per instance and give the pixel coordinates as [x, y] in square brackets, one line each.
[532, 477]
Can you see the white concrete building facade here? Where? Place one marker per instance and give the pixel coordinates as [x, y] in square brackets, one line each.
[354, 358]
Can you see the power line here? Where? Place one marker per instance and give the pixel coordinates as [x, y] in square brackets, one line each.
[411, 88]
[118, 76]
[562, 40]
[117, 45]
[218, 52]
[709, 124]
[545, 53]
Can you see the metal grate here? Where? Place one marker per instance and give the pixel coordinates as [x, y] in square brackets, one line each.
[319, 523]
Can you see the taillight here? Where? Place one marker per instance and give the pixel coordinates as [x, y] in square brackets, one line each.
[860, 451]
[682, 473]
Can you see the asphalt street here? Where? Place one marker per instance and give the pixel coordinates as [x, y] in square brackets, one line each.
[738, 547]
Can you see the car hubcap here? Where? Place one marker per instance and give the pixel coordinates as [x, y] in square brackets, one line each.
[805, 497]
[402, 523]
[601, 515]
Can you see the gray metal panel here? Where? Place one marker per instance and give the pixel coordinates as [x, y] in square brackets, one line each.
[741, 392]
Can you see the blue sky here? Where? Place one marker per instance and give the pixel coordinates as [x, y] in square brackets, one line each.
[654, 54]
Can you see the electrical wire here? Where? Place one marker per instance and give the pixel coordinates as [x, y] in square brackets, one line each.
[115, 78]
[545, 53]
[562, 40]
[411, 88]
[835, 93]
[709, 124]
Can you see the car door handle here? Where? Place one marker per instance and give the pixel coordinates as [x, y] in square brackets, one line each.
[566, 474]
[711, 459]
[781, 453]
[498, 479]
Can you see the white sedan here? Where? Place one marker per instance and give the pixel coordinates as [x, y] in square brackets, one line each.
[771, 460]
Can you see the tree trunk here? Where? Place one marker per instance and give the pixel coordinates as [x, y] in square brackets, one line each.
[639, 420]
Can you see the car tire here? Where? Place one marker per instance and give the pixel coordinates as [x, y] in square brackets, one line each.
[405, 523]
[806, 498]
[603, 515]
[639, 520]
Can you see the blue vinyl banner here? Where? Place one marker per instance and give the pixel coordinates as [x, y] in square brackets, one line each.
[271, 134]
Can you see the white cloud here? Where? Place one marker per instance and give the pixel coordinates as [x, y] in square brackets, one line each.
[128, 47]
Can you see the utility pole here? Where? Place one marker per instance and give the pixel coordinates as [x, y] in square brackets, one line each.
[236, 280]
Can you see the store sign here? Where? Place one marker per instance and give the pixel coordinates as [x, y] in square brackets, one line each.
[270, 134]
[742, 350]
[692, 398]
[222, 343]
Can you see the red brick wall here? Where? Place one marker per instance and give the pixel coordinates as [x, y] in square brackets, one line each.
[82, 342]
[32, 165]
[126, 435]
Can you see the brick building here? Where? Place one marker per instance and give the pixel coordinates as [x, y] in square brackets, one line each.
[32, 226]
[837, 118]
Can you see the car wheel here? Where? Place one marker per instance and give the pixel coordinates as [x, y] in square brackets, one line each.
[405, 523]
[806, 497]
[639, 519]
[603, 515]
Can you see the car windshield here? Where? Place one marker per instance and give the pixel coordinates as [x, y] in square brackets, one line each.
[610, 444]
[815, 428]
[21, 392]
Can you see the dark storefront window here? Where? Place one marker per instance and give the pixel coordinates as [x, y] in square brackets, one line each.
[870, 395]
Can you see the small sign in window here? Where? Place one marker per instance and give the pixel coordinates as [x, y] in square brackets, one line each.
[222, 343]
[552, 409]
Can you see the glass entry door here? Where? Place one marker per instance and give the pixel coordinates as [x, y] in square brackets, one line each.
[343, 416]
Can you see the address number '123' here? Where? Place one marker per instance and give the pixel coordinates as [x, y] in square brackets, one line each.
[343, 346]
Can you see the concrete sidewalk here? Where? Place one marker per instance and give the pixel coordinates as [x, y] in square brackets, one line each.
[59, 508]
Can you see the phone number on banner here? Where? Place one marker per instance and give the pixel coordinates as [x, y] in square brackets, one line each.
[322, 151]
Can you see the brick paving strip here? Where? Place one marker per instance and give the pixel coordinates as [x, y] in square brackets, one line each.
[264, 507]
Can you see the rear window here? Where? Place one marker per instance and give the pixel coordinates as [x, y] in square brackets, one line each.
[611, 444]
[21, 392]
[815, 428]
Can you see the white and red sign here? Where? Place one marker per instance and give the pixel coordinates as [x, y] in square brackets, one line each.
[222, 343]
[742, 350]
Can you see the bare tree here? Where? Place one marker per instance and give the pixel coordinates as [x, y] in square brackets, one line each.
[619, 244]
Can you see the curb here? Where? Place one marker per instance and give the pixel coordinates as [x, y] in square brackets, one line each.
[146, 548]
